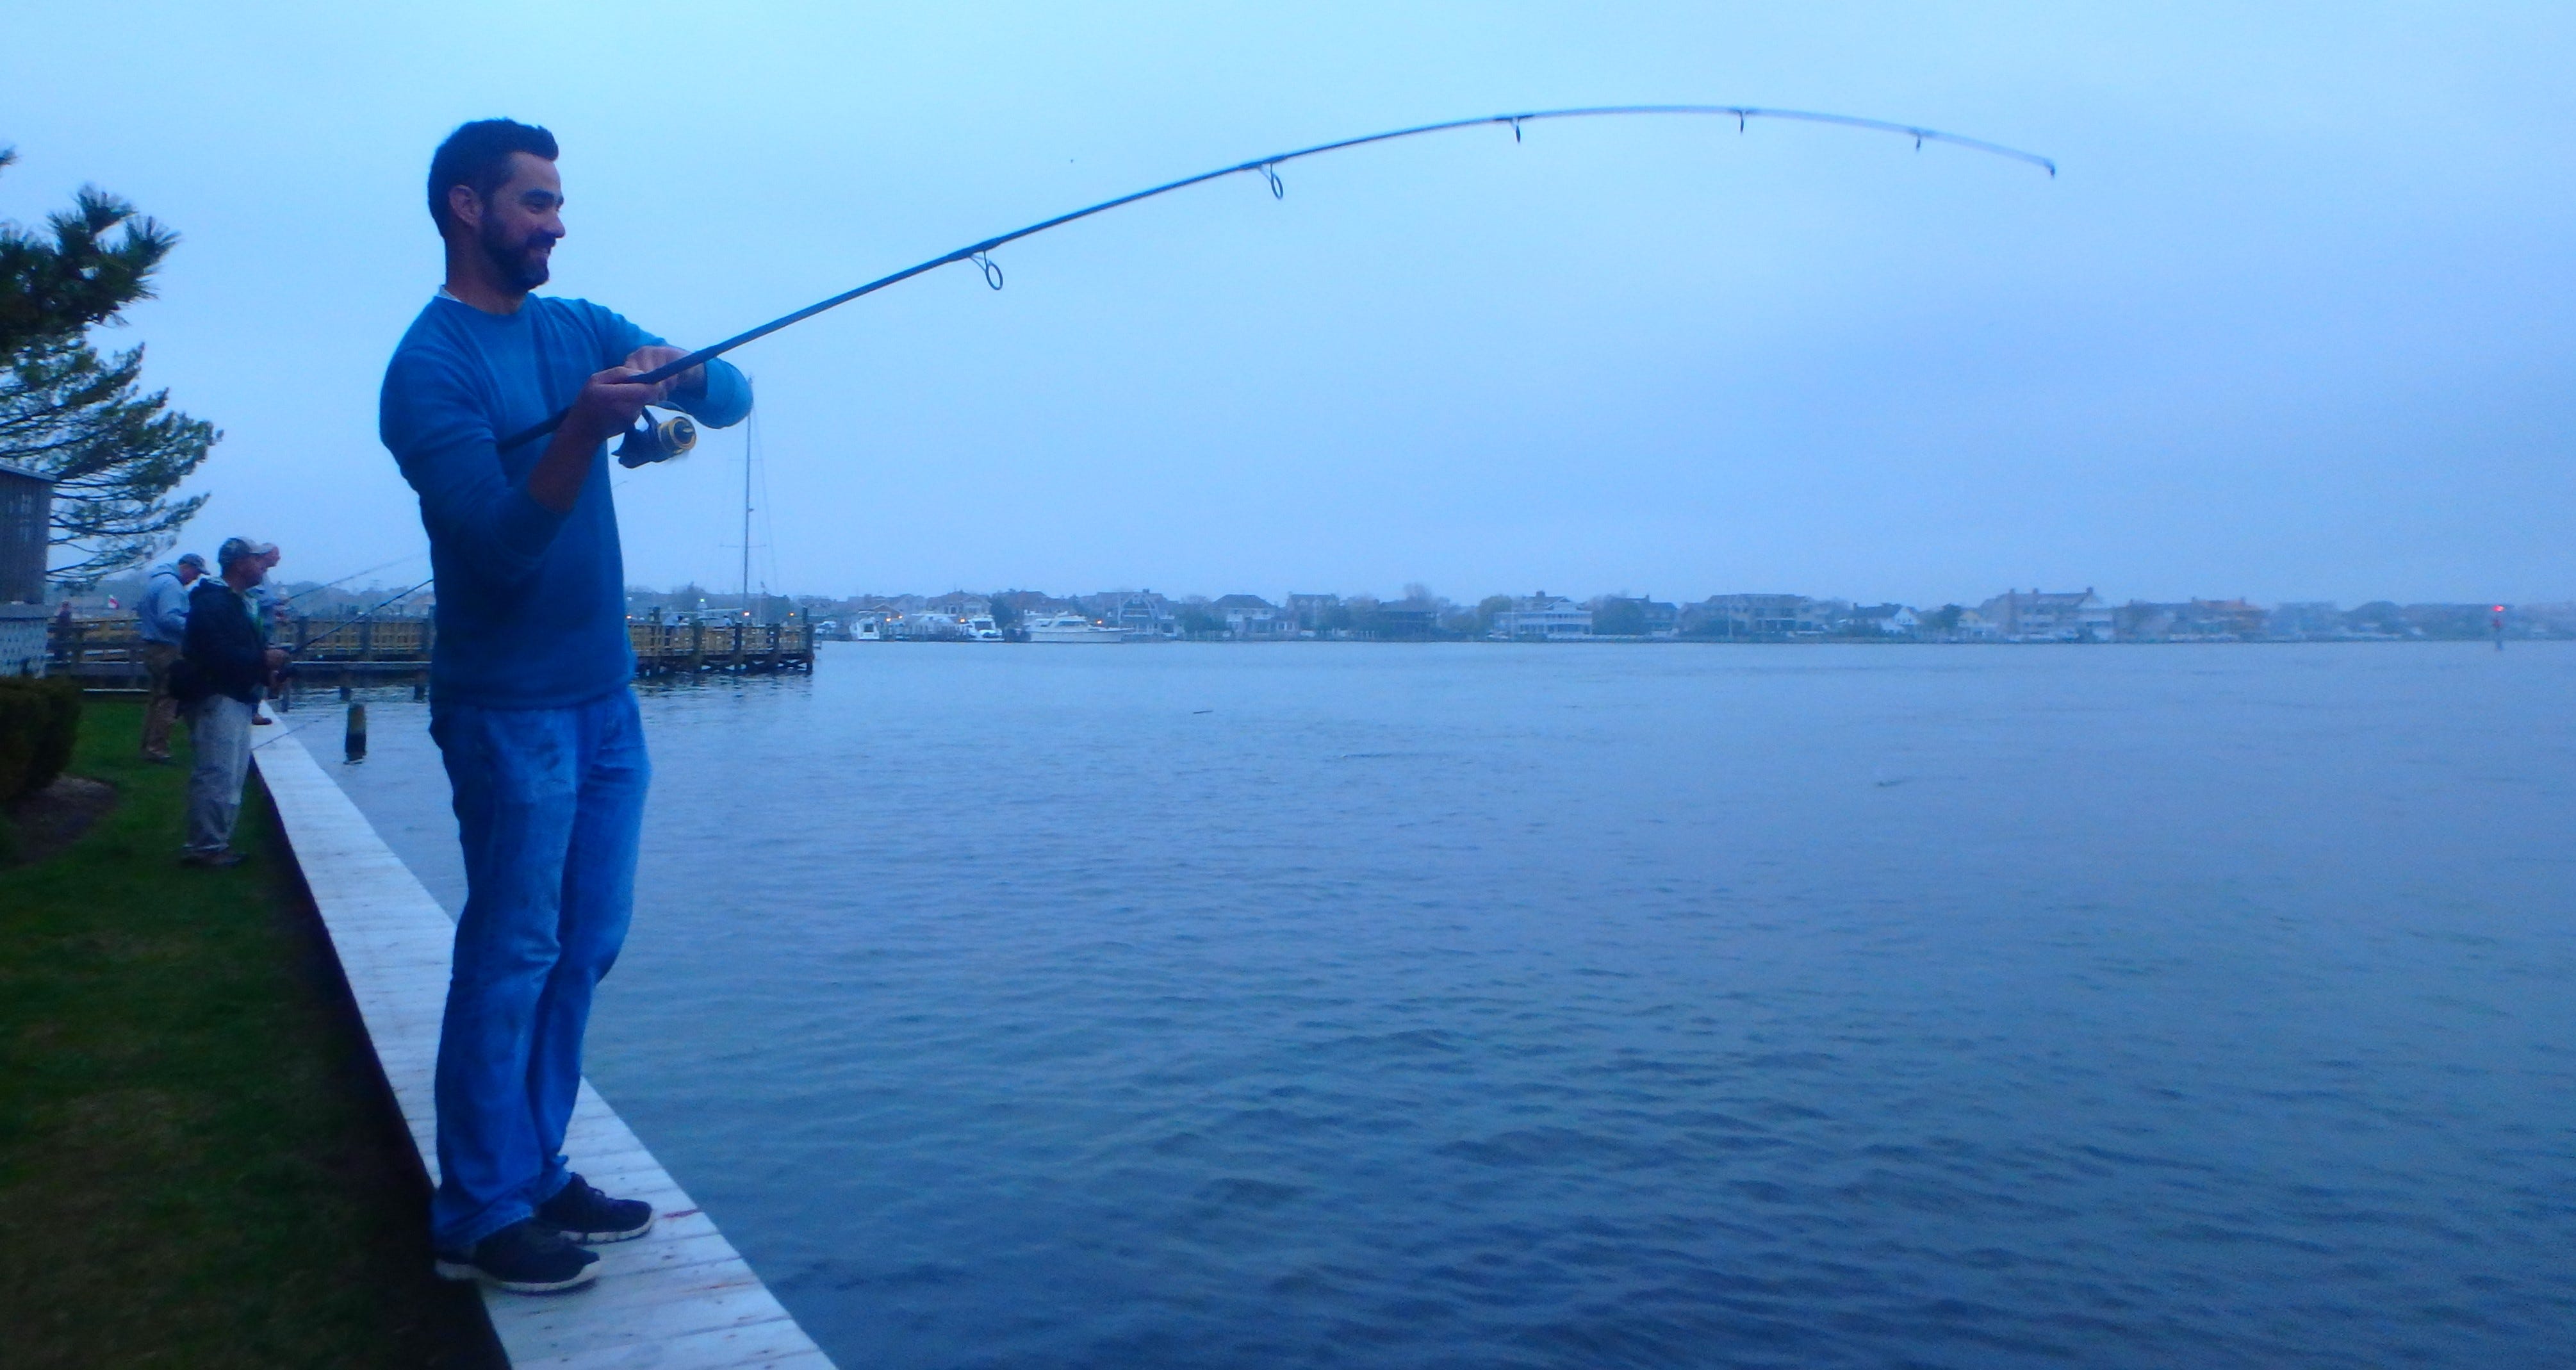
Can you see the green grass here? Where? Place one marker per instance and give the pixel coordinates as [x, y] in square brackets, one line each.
[199, 1165]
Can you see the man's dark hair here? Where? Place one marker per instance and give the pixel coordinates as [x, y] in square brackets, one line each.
[477, 156]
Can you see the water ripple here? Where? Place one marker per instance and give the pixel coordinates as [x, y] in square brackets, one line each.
[1454, 1007]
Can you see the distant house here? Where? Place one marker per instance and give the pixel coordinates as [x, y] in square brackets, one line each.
[1313, 614]
[2556, 619]
[1251, 618]
[958, 604]
[2198, 620]
[2235, 617]
[1885, 620]
[2144, 621]
[1542, 617]
[1024, 606]
[2308, 619]
[1139, 612]
[1626, 616]
[2049, 616]
[1400, 620]
[1751, 617]
[2449, 620]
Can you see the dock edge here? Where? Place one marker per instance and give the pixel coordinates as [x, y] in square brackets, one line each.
[679, 1298]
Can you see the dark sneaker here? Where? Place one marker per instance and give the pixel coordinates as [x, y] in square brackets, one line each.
[527, 1257]
[212, 860]
[585, 1215]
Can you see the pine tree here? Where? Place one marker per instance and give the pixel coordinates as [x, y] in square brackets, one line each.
[114, 452]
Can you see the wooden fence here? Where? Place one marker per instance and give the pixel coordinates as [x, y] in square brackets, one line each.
[666, 648]
[108, 652]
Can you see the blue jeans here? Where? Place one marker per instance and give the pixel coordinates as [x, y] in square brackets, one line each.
[549, 805]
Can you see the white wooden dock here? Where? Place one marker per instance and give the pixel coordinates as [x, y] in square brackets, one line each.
[680, 1298]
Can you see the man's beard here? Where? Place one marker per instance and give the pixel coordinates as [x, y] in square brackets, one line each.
[524, 271]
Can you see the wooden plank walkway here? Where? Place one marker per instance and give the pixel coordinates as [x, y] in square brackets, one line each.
[678, 1299]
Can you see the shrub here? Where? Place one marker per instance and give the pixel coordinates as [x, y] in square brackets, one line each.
[38, 720]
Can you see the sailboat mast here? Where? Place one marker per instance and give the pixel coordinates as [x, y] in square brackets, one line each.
[750, 447]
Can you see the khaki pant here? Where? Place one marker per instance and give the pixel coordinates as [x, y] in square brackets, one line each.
[220, 725]
[159, 709]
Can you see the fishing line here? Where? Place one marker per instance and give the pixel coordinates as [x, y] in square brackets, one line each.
[310, 642]
[353, 575]
[640, 443]
[284, 733]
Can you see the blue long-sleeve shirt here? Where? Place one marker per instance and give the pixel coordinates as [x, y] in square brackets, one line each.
[531, 603]
[162, 614]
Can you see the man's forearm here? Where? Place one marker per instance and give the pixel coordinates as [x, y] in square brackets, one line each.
[607, 404]
[556, 482]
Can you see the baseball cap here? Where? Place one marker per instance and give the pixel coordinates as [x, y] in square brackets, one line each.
[234, 549]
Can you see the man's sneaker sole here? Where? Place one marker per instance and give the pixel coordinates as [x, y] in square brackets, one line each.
[466, 1270]
[602, 1238]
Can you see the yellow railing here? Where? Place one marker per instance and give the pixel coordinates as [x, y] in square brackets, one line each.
[357, 639]
[97, 640]
[689, 646]
[658, 647]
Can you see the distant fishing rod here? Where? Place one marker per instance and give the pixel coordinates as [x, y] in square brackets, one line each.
[650, 442]
[310, 643]
[353, 575]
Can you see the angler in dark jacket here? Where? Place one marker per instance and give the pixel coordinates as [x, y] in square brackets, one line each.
[224, 669]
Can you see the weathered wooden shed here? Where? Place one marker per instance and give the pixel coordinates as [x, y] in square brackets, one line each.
[26, 516]
[26, 520]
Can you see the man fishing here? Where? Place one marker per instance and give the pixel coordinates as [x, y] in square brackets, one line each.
[161, 621]
[531, 705]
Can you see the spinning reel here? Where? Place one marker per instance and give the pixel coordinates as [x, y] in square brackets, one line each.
[650, 441]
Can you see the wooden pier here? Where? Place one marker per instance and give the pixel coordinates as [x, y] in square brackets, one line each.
[107, 653]
[688, 647]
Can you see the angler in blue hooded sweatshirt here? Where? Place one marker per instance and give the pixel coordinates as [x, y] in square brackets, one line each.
[161, 620]
[530, 697]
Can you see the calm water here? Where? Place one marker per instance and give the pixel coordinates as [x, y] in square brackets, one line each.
[1475, 1006]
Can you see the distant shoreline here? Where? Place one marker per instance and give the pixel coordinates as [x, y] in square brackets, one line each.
[1572, 642]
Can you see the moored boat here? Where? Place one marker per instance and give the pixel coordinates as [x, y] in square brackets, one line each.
[1073, 628]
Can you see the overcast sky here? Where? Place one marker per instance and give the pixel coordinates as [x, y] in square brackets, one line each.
[2294, 322]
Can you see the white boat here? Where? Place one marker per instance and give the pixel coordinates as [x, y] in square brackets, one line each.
[980, 629]
[1072, 628]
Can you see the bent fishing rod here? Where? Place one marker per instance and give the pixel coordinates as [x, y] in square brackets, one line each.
[650, 442]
